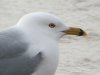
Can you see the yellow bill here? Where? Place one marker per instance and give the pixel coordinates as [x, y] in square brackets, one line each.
[75, 31]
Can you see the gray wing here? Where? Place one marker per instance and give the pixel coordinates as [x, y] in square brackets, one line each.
[11, 44]
[21, 65]
[12, 60]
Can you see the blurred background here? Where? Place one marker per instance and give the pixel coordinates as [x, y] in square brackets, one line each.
[78, 55]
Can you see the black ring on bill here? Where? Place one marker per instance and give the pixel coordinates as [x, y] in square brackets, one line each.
[81, 32]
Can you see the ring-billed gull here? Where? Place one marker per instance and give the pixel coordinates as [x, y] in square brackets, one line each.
[31, 46]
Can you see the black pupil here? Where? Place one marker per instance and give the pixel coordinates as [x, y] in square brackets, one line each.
[52, 25]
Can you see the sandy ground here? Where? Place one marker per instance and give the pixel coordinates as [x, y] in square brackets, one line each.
[78, 55]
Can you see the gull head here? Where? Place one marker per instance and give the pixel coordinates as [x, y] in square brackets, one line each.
[45, 24]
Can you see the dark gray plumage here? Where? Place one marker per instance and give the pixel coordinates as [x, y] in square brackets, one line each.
[12, 59]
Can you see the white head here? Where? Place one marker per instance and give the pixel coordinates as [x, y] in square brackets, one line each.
[47, 24]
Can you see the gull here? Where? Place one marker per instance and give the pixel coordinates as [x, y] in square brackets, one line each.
[31, 46]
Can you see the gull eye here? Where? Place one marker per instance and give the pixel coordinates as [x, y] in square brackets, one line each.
[52, 25]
